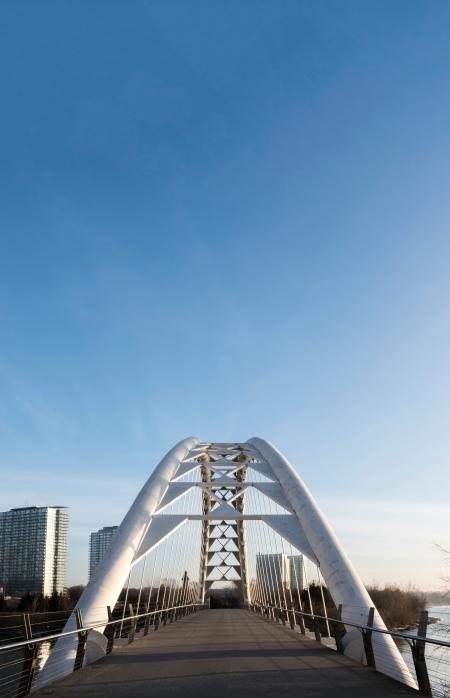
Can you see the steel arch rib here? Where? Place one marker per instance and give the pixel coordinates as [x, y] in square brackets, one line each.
[343, 581]
[111, 573]
[106, 584]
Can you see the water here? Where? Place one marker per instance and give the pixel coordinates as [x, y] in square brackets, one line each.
[11, 667]
[438, 658]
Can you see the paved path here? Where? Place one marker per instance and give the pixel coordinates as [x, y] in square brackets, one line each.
[224, 653]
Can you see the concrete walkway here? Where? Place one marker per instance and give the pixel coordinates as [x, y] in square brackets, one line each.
[224, 653]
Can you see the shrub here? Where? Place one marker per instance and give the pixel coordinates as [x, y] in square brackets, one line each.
[399, 608]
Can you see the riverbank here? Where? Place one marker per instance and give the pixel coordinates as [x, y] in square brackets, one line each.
[399, 608]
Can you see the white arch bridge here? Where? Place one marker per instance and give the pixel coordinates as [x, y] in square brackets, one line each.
[234, 516]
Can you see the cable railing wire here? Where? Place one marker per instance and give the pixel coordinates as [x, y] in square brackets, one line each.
[21, 661]
[439, 680]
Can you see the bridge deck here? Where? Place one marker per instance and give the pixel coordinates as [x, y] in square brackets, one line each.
[225, 653]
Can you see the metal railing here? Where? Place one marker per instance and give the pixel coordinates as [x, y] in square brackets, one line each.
[22, 660]
[325, 626]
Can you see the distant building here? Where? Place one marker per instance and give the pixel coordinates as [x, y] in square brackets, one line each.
[33, 548]
[296, 574]
[98, 545]
[274, 569]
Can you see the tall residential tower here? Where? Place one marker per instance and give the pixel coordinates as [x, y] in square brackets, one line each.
[33, 547]
[98, 545]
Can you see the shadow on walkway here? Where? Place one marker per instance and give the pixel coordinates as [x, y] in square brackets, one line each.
[225, 653]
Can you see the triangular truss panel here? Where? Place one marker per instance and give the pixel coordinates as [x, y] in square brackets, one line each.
[263, 469]
[175, 491]
[185, 468]
[274, 491]
[290, 529]
[160, 528]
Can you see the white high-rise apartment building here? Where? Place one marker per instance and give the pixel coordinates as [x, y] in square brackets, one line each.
[295, 569]
[98, 545]
[33, 549]
[274, 569]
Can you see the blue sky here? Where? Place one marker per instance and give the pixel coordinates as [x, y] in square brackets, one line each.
[229, 219]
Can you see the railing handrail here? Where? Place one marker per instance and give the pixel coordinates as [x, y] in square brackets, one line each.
[330, 619]
[86, 628]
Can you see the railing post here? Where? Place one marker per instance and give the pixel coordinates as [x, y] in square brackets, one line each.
[109, 632]
[291, 616]
[367, 640]
[301, 623]
[172, 615]
[82, 641]
[149, 618]
[157, 618]
[418, 653]
[339, 631]
[316, 627]
[29, 661]
[133, 623]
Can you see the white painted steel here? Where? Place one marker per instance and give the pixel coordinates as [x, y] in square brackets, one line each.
[306, 528]
[274, 491]
[175, 491]
[345, 586]
[108, 579]
[289, 528]
[160, 528]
